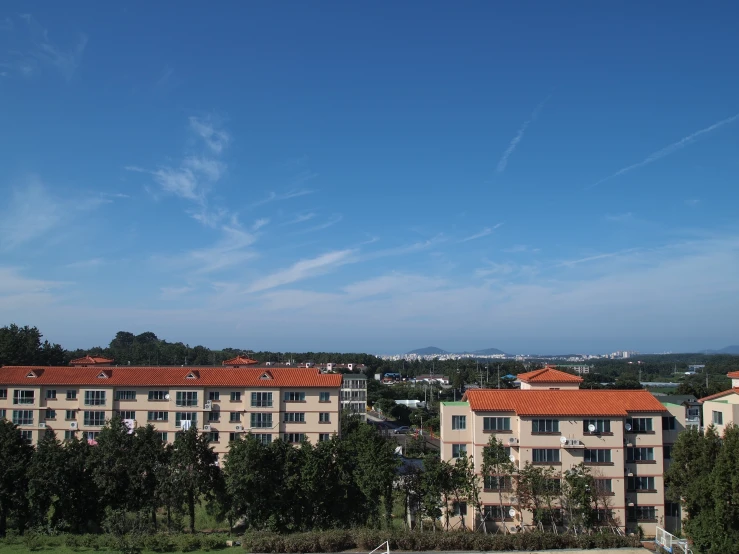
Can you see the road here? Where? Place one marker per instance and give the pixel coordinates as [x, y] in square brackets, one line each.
[387, 428]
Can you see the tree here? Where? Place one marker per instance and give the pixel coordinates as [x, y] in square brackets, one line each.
[433, 493]
[76, 506]
[15, 455]
[146, 459]
[496, 468]
[578, 497]
[23, 346]
[110, 461]
[44, 478]
[194, 472]
[537, 488]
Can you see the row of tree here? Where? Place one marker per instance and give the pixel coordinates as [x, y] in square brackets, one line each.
[74, 486]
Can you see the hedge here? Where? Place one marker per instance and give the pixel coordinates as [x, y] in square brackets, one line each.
[368, 539]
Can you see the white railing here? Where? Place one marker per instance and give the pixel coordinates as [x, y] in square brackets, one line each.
[670, 543]
[386, 544]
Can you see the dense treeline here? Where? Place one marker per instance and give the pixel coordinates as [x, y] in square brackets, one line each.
[73, 486]
[703, 477]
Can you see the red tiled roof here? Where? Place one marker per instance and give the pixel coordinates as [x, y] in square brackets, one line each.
[733, 375]
[91, 360]
[580, 402]
[240, 360]
[735, 390]
[548, 375]
[134, 376]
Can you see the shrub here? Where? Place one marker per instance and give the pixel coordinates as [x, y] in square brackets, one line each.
[188, 543]
[213, 541]
[32, 540]
[74, 542]
[159, 543]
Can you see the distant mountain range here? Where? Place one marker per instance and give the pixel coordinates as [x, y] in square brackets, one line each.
[434, 351]
[734, 349]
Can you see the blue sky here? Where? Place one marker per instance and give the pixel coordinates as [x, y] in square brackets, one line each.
[372, 177]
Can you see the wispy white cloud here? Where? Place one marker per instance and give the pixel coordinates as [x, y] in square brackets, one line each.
[503, 163]
[667, 150]
[230, 251]
[216, 139]
[13, 282]
[520, 248]
[301, 270]
[172, 293]
[164, 78]
[31, 212]
[692, 202]
[484, 233]
[274, 197]
[86, 264]
[259, 223]
[620, 218]
[300, 218]
[333, 220]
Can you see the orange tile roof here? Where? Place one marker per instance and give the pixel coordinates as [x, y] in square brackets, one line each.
[735, 390]
[92, 360]
[134, 376]
[548, 375]
[240, 360]
[733, 375]
[578, 402]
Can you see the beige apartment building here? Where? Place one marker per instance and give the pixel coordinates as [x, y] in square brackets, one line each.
[224, 402]
[722, 409]
[617, 434]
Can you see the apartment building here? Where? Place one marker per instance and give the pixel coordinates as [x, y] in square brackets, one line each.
[224, 402]
[721, 409]
[617, 434]
[548, 378]
[354, 394]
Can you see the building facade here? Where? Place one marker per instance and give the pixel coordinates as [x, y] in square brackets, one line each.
[548, 378]
[224, 402]
[617, 434]
[354, 394]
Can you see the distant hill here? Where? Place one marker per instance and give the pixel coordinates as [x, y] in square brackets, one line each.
[428, 351]
[734, 349]
[488, 352]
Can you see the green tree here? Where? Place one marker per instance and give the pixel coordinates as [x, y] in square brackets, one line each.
[15, 456]
[433, 481]
[44, 478]
[497, 469]
[23, 346]
[110, 462]
[76, 505]
[537, 489]
[147, 456]
[578, 497]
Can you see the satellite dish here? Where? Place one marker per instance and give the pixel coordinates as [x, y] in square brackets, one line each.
[591, 428]
[512, 458]
[512, 512]
[628, 426]
[563, 440]
[166, 397]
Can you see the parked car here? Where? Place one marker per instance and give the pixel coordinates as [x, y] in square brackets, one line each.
[402, 430]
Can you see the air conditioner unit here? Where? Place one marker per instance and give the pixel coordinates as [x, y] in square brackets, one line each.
[206, 427]
[73, 425]
[208, 405]
[239, 428]
[42, 425]
[512, 440]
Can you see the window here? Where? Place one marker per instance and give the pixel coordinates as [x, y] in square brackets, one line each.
[235, 417]
[603, 514]
[157, 416]
[498, 482]
[640, 484]
[94, 419]
[71, 394]
[214, 416]
[50, 394]
[263, 438]
[639, 454]
[672, 509]
[27, 436]
[667, 452]
[597, 456]
[235, 397]
[25, 397]
[293, 417]
[23, 417]
[323, 437]
[186, 398]
[545, 426]
[127, 414]
[324, 417]
[668, 423]
[604, 486]
[91, 435]
[601, 426]
[641, 513]
[70, 414]
[233, 437]
[213, 436]
[261, 399]
[459, 422]
[324, 397]
[294, 437]
[163, 437]
[294, 397]
[157, 394]
[69, 435]
[190, 417]
[640, 424]
[459, 508]
[125, 395]
[261, 420]
[545, 455]
[50, 414]
[94, 398]
[215, 395]
[496, 513]
[2, 414]
[4, 394]
[496, 424]
[459, 450]
[718, 418]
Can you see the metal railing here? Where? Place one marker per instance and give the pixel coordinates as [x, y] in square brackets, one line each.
[386, 544]
[667, 542]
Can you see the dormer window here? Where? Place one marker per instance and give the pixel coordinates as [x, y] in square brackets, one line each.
[193, 375]
[31, 375]
[104, 375]
[266, 375]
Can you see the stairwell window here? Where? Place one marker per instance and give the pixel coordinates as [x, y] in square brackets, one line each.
[718, 418]
[214, 396]
[459, 450]
[50, 414]
[545, 426]
[668, 423]
[235, 397]
[214, 416]
[72, 394]
[50, 394]
[459, 422]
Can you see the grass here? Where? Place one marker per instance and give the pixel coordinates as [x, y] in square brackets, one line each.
[21, 549]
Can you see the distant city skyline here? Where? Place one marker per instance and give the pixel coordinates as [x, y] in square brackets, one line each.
[372, 177]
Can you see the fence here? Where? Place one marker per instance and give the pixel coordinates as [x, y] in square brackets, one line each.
[668, 542]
